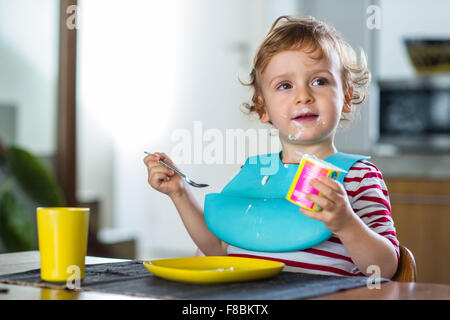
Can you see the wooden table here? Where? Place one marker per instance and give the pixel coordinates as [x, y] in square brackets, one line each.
[23, 261]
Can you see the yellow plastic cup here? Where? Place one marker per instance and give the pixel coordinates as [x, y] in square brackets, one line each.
[62, 234]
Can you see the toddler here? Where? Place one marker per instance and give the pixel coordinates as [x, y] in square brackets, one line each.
[306, 81]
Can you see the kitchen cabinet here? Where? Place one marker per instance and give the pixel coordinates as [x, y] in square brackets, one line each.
[421, 213]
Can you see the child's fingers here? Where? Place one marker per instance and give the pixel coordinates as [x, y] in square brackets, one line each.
[324, 189]
[157, 172]
[311, 214]
[159, 168]
[323, 202]
[151, 159]
[164, 157]
[159, 155]
[148, 158]
[155, 156]
[151, 163]
[332, 184]
[158, 176]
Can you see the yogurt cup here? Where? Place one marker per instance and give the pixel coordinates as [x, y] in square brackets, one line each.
[310, 168]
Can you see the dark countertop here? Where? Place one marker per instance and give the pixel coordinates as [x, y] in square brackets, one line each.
[427, 166]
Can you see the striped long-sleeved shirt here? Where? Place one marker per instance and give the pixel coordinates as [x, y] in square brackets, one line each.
[369, 199]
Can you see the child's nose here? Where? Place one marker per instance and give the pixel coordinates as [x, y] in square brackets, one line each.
[304, 96]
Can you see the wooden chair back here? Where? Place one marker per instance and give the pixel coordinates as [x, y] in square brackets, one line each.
[406, 270]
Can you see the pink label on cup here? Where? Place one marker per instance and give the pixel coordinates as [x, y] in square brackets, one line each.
[302, 188]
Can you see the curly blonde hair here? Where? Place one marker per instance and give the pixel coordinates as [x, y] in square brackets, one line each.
[316, 38]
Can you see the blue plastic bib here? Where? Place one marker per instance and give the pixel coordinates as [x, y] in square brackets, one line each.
[252, 212]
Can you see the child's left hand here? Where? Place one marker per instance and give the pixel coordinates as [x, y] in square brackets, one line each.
[336, 212]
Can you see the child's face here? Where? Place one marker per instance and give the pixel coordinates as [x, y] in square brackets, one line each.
[303, 97]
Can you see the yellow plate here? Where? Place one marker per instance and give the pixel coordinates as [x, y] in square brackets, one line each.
[213, 269]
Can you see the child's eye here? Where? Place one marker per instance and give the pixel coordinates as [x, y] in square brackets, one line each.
[320, 82]
[284, 86]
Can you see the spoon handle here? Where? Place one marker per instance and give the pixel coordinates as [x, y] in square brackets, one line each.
[173, 168]
[169, 166]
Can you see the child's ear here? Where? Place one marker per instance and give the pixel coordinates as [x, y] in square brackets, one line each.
[347, 108]
[265, 117]
[259, 105]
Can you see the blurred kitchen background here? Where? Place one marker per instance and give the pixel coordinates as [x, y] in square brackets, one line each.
[87, 86]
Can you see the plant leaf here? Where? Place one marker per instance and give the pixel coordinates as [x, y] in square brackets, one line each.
[34, 178]
[16, 226]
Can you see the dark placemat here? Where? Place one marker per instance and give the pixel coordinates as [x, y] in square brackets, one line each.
[94, 274]
[133, 278]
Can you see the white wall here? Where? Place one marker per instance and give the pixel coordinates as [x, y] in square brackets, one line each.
[28, 70]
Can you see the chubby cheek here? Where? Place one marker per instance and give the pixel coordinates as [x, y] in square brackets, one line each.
[280, 120]
[329, 121]
[332, 109]
[278, 111]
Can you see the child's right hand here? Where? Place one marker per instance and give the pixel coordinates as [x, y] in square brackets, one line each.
[162, 178]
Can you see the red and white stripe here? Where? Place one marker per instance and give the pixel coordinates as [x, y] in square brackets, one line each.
[369, 198]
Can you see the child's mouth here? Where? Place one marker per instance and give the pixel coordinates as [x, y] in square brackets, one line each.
[306, 117]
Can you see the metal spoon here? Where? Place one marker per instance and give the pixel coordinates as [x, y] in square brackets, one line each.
[189, 181]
